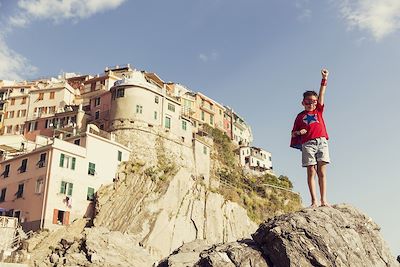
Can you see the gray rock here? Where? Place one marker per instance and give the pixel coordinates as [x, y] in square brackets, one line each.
[337, 236]
[242, 253]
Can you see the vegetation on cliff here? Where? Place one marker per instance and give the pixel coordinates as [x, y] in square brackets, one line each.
[260, 195]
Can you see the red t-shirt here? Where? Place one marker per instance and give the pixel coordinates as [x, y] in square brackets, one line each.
[313, 122]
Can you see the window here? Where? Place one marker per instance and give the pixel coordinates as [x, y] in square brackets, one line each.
[20, 191]
[97, 115]
[21, 90]
[184, 125]
[3, 194]
[90, 194]
[23, 101]
[171, 107]
[77, 142]
[119, 155]
[120, 92]
[11, 114]
[41, 96]
[42, 160]
[9, 129]
[32, 126]
[12, 101]
[156, 99]
[6, 171]
[168, 122]
[211, 106]
[39, 186]
[202, 115]
[97, 101]
[22, 168]
[60, 217]
[204, 150]
[52, 94]
[211, 119]
[23, 113]
[155, 115]
[67, 161]
[66, 188]
[139, 109]
[92, 168]
[52, 109]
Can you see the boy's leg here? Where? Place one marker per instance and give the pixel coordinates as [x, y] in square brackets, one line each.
[311, 185]
[321, 171]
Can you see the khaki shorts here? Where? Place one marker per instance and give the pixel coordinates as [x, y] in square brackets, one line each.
[315, 150]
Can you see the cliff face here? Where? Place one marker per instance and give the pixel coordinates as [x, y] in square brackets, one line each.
[337, 236]
[163, 222]
[163, 203]
[166, 195]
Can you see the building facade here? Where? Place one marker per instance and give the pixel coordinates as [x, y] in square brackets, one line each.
[55, 184]
[255, 159]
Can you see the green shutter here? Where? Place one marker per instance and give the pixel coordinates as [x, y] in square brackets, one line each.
[90, 193]
[73, 163]
[70, 187]
[92, 168]
[62, 189]
[119, 155]
[62, 160]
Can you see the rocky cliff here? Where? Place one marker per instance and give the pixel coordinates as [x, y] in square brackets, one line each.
[165, 196]
[337, 236]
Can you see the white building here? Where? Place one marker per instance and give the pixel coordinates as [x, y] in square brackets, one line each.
[255, 159]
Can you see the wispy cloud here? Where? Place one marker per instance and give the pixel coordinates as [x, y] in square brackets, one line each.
[302, 6]
[58, 10]
[14, 66]
[379, 17]
[209, 57]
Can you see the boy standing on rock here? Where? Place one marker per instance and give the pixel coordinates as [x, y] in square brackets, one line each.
[309, 134]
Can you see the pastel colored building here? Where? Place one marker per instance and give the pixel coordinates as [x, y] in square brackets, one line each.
[240, 130]
[70, 119]
[255, 159]
[14, 103]
[208, 111]
[141, 100]
[56, 183]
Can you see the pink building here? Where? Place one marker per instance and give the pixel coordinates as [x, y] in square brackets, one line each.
[56, 183]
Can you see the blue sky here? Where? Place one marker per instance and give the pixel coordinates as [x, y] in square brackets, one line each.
[257, 56]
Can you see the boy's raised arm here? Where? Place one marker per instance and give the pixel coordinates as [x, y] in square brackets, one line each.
[321, 95]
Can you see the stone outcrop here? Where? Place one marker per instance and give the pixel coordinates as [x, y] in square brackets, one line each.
[234, 254]
[80, 246]
[160, 200]
[337, 236]
[163, 221]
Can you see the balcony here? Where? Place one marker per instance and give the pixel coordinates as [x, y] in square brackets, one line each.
[207, 108]
[187, 111]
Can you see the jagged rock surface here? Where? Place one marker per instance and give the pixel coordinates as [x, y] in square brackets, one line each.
[337, 236]
[243, 253]
[79, 246]
[163, 214]
[331, 237]
[164, 221]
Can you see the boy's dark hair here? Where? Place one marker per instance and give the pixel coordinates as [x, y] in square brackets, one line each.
[309, 93]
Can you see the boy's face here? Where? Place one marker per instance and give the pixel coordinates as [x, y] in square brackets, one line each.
[310, 103]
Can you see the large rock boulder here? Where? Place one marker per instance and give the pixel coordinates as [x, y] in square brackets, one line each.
[337, 236]
[327, 236]
[242, 253]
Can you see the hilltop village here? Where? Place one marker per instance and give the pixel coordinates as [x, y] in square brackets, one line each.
[57, 145]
